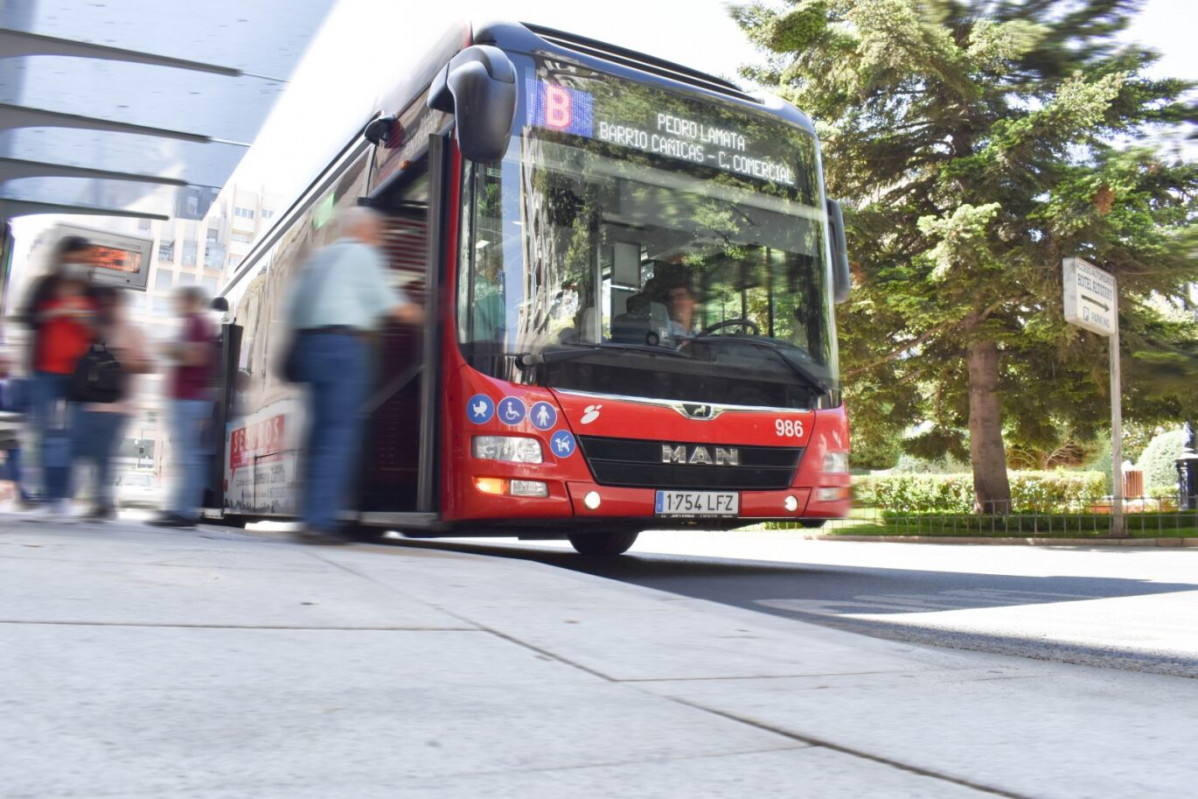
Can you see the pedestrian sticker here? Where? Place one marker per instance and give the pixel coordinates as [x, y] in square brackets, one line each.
[544, 416]
[480, 409]
[562, 444]
[511, 411]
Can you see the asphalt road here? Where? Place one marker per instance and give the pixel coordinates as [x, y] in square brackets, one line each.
[1122, 608]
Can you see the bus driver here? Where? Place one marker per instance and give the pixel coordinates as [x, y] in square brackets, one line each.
[680, 301]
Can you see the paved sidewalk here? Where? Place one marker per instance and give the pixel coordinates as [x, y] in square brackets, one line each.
[213, 664]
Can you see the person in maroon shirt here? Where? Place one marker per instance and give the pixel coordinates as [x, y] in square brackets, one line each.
[189, 391]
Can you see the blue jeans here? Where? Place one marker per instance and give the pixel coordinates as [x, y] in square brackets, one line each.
[187, 421]
[53, 424]
[12, 471]
[98, 433]
[337, 370]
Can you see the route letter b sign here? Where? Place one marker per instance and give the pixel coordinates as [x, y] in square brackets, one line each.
[1091, 299]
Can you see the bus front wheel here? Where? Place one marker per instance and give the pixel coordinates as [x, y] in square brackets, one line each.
[604, 544]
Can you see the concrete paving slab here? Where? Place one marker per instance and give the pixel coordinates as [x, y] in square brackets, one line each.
[785, 775]
[625, 632]
[1043, 730]
[770, 775]
[195, 670]
[128, 542]
[193, 581]
[170, 712]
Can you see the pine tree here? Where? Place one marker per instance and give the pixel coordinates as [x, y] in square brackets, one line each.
[977, 143]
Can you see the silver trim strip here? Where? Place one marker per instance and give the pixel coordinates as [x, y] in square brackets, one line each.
[677, 404]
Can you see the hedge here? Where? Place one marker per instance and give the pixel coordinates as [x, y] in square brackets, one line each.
[1031, 492]
[1159, 460]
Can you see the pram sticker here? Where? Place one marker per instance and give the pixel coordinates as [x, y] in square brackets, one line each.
[480, 409]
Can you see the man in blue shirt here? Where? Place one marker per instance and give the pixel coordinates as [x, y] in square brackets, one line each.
[680, 301]
[342, 294]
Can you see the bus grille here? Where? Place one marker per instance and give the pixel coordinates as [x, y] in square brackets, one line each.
[637, 463]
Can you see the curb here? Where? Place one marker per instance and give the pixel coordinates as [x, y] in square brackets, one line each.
[1034, 542]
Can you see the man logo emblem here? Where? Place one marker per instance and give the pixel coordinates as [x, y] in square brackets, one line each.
[699, 456]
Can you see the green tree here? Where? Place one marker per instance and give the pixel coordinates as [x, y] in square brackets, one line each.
[978, 142]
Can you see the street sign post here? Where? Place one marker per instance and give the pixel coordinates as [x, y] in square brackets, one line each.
[1092, 302]
[1091, 297]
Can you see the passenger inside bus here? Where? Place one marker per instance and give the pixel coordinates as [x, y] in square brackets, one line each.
[488, 309]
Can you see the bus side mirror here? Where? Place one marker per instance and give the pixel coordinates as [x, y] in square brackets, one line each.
[478, 85]
[842, 281]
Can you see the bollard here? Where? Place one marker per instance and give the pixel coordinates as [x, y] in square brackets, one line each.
[1187, 470]
[1187, 481]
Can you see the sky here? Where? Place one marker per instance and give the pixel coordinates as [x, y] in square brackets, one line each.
[365, 44]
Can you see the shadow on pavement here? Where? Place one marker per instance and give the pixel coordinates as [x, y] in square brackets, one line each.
[829, 590]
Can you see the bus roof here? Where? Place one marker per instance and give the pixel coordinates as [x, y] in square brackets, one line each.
[631, 65]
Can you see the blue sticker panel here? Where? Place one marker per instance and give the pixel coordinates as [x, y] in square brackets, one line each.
[511, 411]
[659, 507]
[543, 416]
[562, 444]
[480, 409]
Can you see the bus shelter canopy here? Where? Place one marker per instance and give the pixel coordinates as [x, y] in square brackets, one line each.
[130, 108]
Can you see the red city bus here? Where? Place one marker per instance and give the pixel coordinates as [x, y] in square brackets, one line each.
[629, 270]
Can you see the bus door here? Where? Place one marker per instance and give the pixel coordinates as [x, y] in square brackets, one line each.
[391, 463]
[225, 376]
[399, 477]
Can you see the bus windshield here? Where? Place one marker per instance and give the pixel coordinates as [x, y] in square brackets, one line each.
[643, 243]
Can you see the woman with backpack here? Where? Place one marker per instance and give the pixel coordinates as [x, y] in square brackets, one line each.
[63, 322]
[99, 424]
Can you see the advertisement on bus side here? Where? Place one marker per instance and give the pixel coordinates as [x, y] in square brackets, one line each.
[261, 468]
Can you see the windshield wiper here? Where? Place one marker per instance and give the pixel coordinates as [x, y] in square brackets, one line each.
[525, 360]
[783, 351]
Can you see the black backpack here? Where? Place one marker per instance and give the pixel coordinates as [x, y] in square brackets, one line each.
[98, 377]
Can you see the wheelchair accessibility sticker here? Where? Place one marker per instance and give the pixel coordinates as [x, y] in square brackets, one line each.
[511, 411]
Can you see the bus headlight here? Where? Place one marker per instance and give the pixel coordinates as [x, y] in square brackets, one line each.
[512, 449]
[836, 462]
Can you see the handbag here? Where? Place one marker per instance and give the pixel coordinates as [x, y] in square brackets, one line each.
[98, 377]
[290, 365]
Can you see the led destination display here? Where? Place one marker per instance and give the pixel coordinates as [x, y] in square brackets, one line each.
[672, 127]
[116, 258]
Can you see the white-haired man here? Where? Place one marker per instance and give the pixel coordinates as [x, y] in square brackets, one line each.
[342, 294]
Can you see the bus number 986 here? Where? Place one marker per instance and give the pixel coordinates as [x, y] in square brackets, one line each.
[789, 428]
